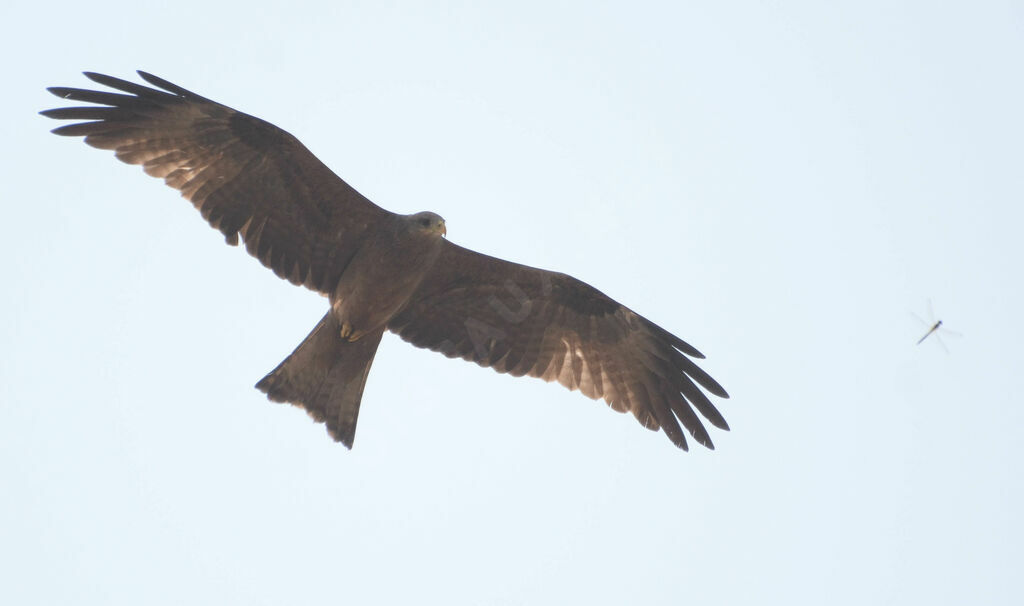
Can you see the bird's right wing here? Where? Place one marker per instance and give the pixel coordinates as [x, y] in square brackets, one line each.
[246, 176]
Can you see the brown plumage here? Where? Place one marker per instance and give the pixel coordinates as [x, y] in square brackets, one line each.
[383, 271]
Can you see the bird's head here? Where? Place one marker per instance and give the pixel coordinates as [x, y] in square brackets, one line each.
[429, 222]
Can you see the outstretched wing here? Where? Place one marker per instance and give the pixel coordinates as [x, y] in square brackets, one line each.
[526, 321]
[246, 176]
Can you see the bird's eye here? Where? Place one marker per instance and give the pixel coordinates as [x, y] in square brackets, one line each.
[425, 222]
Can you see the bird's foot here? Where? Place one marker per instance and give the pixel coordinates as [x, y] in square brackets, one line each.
[348, 333]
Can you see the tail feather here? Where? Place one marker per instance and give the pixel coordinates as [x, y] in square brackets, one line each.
[325, 375]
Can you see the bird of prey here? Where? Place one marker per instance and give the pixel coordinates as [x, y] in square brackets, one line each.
[382, 271]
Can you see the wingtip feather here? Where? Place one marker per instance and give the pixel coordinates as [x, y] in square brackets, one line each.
[63, 92]
[170, 86]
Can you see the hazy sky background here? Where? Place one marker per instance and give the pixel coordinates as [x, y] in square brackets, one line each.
[780, 184]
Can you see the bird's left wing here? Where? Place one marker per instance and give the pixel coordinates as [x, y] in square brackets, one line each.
[526, 321]
[246, 176]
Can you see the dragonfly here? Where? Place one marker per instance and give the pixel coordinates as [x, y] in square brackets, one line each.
[935, 327]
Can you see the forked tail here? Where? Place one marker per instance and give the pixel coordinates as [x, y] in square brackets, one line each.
[325, 375]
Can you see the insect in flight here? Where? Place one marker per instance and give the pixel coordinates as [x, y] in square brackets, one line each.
[935, 327]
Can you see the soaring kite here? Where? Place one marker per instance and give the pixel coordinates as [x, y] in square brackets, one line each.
[383, 271]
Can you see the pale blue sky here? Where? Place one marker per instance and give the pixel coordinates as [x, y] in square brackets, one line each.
[780, 184]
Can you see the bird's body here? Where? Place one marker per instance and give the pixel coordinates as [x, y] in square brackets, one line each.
[384, 272]
[381, 271]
